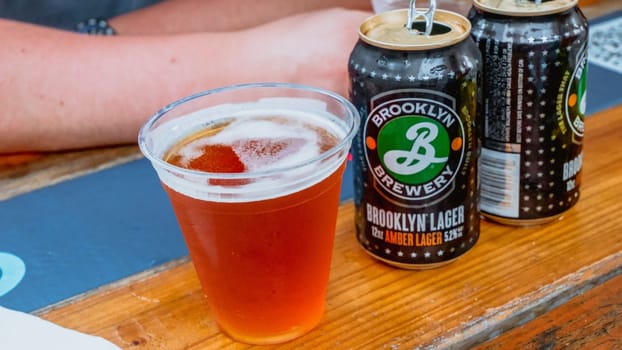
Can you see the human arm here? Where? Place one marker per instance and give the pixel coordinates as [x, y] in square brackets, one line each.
[184, 16]
[62, 90]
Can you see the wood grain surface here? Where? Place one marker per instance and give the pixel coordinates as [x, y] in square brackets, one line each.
[588, 321]
[511, 276]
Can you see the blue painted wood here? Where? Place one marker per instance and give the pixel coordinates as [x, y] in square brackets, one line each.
[87, 232]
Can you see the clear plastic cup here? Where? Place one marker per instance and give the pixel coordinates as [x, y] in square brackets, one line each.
[260, 239]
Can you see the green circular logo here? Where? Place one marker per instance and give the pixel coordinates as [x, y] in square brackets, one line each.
[413, 149]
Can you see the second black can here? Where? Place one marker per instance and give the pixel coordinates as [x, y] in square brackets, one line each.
[534, 101]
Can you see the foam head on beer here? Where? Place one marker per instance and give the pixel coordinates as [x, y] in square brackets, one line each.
[252, 151]
[257, 142]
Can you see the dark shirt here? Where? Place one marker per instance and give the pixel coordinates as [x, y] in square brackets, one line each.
[65, 14]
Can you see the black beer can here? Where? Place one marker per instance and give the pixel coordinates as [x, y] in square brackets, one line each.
[415, 156]
[534, 95]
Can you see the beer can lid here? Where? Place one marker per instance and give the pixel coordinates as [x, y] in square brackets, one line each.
[388, 30]
[523, 8]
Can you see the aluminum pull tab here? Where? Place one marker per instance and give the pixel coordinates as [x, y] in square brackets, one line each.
[427, 15]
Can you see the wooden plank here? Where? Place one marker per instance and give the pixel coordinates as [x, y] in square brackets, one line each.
[597, 8]
[590, 321]
[25, 172]
[510, 276]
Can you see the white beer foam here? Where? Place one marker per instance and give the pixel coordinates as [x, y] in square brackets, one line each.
[259, 130]
[248, 126]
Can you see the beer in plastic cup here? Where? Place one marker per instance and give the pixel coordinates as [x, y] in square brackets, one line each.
[253, 173]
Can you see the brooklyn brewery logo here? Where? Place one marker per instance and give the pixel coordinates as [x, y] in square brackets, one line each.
[415, 148]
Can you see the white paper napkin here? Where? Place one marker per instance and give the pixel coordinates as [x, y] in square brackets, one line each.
[21, 331]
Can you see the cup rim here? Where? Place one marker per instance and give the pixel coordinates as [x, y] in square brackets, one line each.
[144, 130]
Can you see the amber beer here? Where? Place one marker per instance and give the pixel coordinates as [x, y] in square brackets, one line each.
[253, 173]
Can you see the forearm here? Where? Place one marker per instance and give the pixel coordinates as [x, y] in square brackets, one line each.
[63, 90]
[182, 16]
[72, 91]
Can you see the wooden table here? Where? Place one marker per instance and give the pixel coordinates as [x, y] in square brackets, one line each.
[554, 286]
[511, 277]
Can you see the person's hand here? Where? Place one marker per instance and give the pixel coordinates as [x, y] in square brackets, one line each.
[310, 49]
